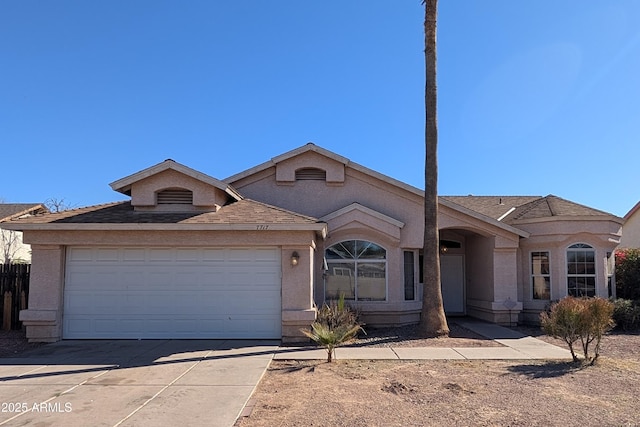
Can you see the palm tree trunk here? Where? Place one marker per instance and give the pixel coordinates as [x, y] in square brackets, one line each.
[432, 320]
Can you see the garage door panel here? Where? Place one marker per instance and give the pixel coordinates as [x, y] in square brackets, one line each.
[80, 254]
[110, 254]
[211, 327]
[172, 293]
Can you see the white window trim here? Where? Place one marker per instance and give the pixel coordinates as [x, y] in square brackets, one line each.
[595, 265]
[365, 261]
[531, 276]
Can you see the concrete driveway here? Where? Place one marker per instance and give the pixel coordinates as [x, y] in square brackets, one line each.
[132, 383]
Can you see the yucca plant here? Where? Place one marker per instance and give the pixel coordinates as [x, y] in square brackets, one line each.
[337, 324]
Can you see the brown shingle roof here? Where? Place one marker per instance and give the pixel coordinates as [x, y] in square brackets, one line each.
[510, 209]
[13, 210]
[242, 212]
[551, 206]
[492, 206]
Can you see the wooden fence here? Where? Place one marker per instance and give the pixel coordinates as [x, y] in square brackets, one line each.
[14, 290]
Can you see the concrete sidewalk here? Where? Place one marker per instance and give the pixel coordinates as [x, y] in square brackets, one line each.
[515, 346]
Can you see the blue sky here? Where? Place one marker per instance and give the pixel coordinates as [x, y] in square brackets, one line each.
[535, 98]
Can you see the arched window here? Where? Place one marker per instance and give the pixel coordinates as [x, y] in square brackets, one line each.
[357, 269]
[581, 270]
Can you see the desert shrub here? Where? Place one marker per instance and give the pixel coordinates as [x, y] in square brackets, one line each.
[579, 319]
[336, 324]
[627, 273]
[626, 314]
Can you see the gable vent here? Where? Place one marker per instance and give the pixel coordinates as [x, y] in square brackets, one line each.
[311, 174]
[175, 197]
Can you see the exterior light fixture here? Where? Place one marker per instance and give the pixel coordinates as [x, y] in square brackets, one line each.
[443, 249]
[295, 258]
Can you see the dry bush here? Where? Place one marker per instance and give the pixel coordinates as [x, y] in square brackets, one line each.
[584, 319]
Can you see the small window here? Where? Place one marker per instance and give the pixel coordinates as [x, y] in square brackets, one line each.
[175, 196]
[311, 174]
[540, 275]
[581, 270]
[409, 276]
[610, 272]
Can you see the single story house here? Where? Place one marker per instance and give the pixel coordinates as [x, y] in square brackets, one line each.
[253, 255]
[12, 248]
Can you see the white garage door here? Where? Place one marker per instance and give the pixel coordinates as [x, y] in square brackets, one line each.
[172, 293]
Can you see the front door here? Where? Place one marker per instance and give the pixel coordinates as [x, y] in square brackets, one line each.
[452, 280]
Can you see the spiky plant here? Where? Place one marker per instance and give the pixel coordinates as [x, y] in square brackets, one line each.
[337, 324]
[331, 337]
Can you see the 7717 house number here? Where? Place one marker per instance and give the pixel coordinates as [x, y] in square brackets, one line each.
[262, 227]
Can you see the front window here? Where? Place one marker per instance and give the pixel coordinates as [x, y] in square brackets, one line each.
[581, 270]
[540, 275]
[610, 271]
[409, 276]
[357, 270]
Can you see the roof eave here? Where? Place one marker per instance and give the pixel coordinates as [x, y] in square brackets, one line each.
[632, 211]
[124, 185]
[320, 228]
[611, 218]
[484, 218]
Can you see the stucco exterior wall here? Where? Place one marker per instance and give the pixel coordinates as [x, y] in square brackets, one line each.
[631, 231]
[555, 238]
[43, 319]
[480, 268]
[490, 279]
[318, 198]
[143, 192]
[286, 170]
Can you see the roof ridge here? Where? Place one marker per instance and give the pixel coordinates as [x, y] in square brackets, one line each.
[528, 207]
[579, 204]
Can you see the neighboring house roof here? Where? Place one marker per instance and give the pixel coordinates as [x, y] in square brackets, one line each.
[632, 211]
[10, 211]
[245, 214]
[123, 185]
[511, 209]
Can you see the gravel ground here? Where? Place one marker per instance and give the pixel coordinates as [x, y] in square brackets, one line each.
[12, 343]
[452, 393]
[407, 336]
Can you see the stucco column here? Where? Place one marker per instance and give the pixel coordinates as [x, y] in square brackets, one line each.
[297, 292]
[43, 316]
[505, 305]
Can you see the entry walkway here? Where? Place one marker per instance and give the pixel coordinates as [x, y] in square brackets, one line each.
[515, 346]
